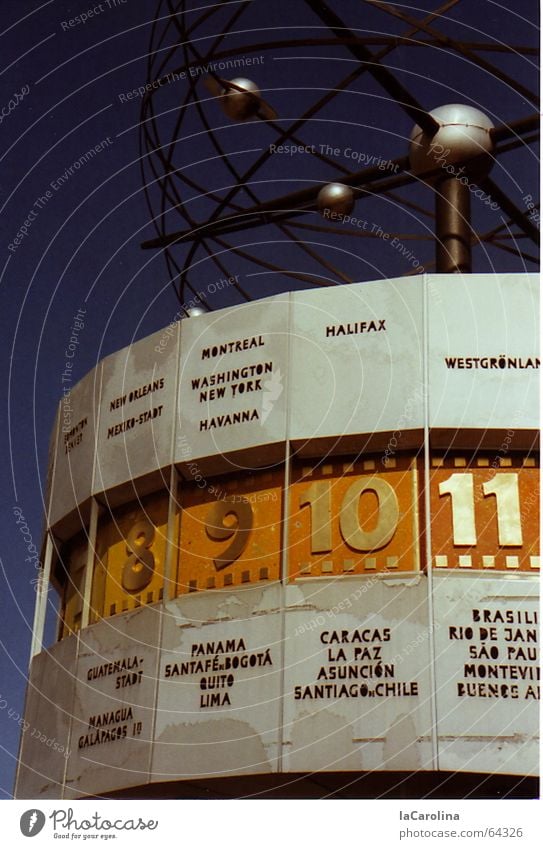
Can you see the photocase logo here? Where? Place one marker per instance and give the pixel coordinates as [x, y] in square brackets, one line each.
[32, 822]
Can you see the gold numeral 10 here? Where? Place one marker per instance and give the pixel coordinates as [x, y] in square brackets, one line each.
[505, 489]
[319, 498]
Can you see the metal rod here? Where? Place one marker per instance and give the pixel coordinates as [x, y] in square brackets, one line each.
[330, 94]
[453, 228]
[516, 128]
[511, 210]
[307, 197]
[450, 43]
[381, 73]
[89, 567]
[40, 610]
[172, 540]
[287, 206]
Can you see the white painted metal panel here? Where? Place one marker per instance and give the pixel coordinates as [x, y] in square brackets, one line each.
[45, 733]
[487, 673]
[357, 675]
[483, 348]
[75, 451]
[114, 701]
[233, 380]
[357, 360]
[219, 698]
[137, 411]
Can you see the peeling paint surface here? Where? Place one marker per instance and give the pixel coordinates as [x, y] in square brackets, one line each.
[113, 709]
[487, 674]
[263, 645]
[336, 713]
[221, 704]
[48, 711]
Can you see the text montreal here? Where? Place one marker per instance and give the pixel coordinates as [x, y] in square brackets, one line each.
[233, 347]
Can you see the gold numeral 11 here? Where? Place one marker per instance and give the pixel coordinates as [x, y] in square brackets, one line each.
[504, 487]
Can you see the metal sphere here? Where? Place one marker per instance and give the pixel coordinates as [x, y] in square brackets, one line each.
[462, 145]
[335, 199]
[237, 105]
[192, 312]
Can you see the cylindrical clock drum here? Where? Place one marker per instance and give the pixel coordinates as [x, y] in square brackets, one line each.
[297, 537]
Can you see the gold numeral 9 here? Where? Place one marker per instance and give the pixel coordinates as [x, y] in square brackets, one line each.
[216, 528]
[140, 566]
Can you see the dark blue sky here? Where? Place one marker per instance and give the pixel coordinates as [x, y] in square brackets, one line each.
[63, 92]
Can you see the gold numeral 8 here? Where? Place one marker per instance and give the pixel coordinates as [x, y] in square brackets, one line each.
[140, 566]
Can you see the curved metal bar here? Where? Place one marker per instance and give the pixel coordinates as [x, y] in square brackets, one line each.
[445, 41]
[379, 72]
[166, 181]
[511, 209]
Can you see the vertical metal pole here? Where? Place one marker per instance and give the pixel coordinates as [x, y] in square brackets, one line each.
[283, 583]
[453, 227]
[428, 527]
[170, 580]
[89, 568]
[40, 610]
